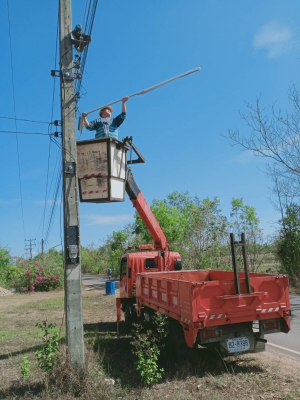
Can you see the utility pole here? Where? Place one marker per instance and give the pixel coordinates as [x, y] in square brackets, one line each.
[73, 299]
[29, 246]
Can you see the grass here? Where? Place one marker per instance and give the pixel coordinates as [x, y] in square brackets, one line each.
[188, 375]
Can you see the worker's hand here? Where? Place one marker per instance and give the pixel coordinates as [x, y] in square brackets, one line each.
[125, 99]
[84, 114]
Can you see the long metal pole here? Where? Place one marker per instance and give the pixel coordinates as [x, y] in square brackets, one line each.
[73, 300]
[144, 91]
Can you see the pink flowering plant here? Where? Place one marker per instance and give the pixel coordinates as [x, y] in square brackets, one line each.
[38, 278]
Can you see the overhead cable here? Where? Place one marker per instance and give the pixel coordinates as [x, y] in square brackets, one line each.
[15, 115]
[87, 29]
[26, 133]
[26, 120]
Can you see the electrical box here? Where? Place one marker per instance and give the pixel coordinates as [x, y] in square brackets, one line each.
[101, 169]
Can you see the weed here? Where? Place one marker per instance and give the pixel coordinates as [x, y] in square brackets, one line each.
[146, 346]
[25, 367]
[47, 357]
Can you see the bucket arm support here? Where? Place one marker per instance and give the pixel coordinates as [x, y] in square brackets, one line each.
[144, 211]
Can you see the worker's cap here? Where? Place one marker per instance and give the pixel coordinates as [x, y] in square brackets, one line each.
[105, 107]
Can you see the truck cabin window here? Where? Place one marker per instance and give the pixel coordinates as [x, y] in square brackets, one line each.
[150, 263]
[123, 268]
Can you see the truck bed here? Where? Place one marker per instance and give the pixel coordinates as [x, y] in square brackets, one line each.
[205, 298]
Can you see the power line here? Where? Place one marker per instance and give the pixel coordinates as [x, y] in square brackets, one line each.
[26, 133]
[44, 213]
[26, 120]
[87, 28]
[15, 114]
[47, 191]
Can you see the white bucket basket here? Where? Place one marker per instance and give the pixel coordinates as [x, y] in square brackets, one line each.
[101, 170]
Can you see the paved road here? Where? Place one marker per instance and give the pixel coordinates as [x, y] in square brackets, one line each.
[97, 281]
[287, 345]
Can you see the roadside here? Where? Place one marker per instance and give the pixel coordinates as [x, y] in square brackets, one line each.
[259, 376]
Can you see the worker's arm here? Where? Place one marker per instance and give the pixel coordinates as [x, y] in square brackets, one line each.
[124, 104]
[85, 121]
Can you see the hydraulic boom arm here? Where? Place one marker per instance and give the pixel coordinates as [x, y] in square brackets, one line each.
[142, 207]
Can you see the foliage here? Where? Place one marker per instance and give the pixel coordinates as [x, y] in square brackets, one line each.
[108, 255]
[92, 259]
[244, 220]
[146, 346]
[199, 231]
[51, 259]
[4, 265]
[39, 279]
[25, 367]
[32, 275]
[48, 356]
[288, 244]
[4, 257]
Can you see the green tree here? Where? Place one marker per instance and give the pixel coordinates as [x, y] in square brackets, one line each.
[169, 217]
[4, 257]
[244, 219]
[4, 265]
[205, 234]
[93, 259]
[288, 243]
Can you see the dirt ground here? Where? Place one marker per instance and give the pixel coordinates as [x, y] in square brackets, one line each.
[252, 376]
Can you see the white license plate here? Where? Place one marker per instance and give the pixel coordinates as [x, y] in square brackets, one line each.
[238, 344]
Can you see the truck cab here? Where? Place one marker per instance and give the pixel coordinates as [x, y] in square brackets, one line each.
[143, 261]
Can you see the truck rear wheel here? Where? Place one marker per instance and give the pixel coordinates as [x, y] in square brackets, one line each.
[130, 315]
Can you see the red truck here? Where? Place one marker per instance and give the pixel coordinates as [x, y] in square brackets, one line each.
[230, 310]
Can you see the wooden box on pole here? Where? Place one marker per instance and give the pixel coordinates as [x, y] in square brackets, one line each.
[101, 170]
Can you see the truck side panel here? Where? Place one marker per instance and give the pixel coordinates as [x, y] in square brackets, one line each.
[204, 298]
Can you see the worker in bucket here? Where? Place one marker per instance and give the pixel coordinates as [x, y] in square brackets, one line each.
[106, 125]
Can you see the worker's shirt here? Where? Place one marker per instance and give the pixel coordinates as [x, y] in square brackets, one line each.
[107, 128]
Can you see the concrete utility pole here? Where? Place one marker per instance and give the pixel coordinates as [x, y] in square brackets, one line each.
[73, 300]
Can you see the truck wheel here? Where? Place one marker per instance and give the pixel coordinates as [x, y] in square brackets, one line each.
[130, 316]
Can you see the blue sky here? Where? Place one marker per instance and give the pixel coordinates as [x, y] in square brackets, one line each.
[245, 49]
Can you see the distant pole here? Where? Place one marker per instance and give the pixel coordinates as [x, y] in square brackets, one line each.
[29, 246]
[73, 299]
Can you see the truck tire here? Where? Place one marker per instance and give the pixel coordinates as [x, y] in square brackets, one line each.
[129, 315]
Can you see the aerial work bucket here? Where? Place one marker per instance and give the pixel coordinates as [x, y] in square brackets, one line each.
[110, 287]
[101, 170]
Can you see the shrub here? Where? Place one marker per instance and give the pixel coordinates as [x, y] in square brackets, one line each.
[25, 367]
[48, 356]
[288, 243]
[40, 279]
[146, 346]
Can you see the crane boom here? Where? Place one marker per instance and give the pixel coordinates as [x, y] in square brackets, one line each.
[145, 212]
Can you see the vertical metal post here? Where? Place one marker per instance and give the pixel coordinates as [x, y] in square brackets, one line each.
[246, 267]
[234, 264]
[73, 299]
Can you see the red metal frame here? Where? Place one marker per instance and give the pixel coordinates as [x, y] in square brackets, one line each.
[145, 212]
[207, 298]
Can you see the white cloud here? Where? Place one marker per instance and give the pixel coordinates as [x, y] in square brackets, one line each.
[276, 39]
[247, 157]
[12, 201]
[108, 219]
